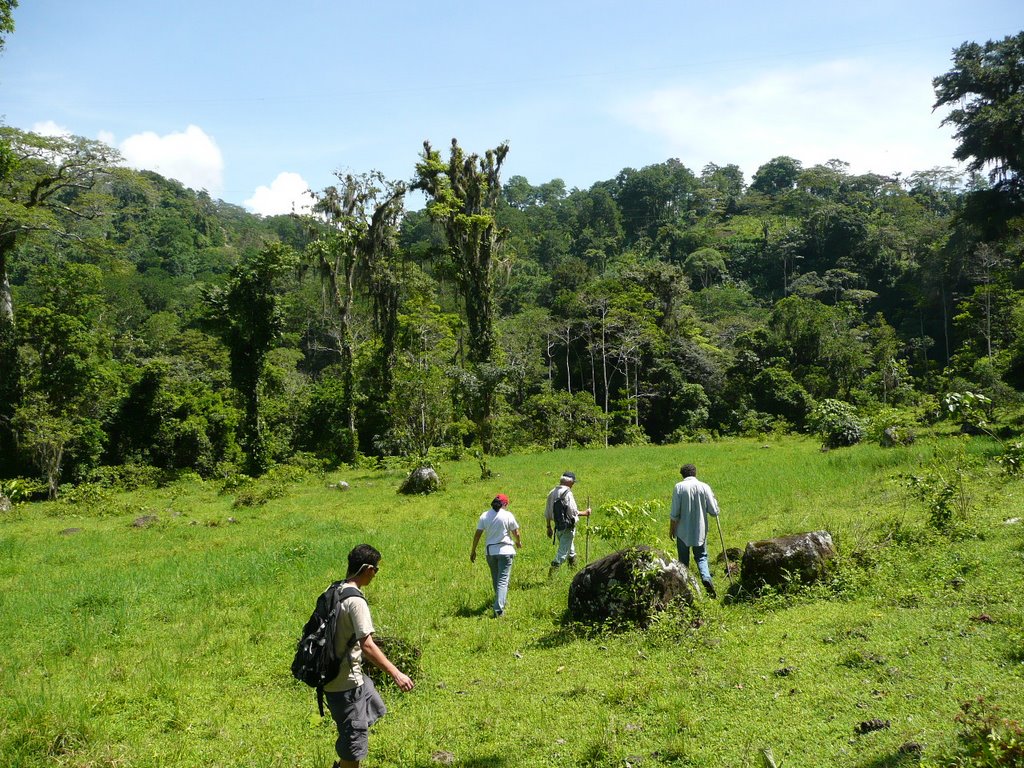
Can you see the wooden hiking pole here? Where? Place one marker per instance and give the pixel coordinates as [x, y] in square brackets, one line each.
[586, 555]
[725, 554]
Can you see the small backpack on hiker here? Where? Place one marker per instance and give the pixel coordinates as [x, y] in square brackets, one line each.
[316, 662]
[560, 512]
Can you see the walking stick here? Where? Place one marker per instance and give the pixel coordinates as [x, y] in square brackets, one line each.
[586, 557]
[728, 570]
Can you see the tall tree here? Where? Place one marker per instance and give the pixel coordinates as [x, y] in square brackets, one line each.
[247, 315]
[357, 223]
[986, 88]
[46, 186]
[776, 176]
[65, 346]
[464, 193]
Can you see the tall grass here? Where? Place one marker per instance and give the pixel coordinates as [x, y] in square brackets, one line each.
[169, 644]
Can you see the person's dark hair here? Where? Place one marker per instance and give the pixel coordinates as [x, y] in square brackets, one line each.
[360, 556]
[688, 470]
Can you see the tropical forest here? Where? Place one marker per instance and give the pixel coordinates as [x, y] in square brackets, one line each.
[145, 324]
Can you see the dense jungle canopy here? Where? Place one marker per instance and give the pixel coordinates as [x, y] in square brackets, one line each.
[145, 323]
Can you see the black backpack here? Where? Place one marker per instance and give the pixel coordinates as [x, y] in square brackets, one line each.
[316, 662]
[564, 518]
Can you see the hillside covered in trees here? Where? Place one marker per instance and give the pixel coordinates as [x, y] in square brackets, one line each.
[143, 323]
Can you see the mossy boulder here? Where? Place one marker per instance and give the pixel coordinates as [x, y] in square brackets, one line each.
[776, 562]
[631, 585]
[423, 480]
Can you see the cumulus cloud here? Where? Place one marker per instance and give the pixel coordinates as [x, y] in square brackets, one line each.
[870, 116]
[191, 157]
[50, 128]
[288, 192]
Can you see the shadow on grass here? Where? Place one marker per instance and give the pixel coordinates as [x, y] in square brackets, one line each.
[895, 760]
[568, 630]
[468, 612]
[482, 761]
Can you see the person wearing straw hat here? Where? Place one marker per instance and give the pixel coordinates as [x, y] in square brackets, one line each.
[502, 530]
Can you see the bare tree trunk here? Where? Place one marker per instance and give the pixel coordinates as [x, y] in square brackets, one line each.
[604, 375]
[6, 300]
[568, 372]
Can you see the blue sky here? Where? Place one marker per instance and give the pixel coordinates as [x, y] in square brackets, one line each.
[258, 101]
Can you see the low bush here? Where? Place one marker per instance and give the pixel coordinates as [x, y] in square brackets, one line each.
[837, 424]
[987, 739]
[891, 427]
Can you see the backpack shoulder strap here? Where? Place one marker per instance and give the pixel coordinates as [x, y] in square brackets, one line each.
[337, 596]
[341, 597]
[348, 592]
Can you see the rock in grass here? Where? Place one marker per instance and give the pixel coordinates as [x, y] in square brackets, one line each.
[423, 480]
[875, 724]
[630, 585]
[144, 521]
[776, 562]
[5, 503]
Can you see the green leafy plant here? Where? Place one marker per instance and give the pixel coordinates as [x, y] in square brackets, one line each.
[626, 522]
[837, 424]
[1012, 458]
[891, 427]
[987, 740]
[19, 489]
[942, 486]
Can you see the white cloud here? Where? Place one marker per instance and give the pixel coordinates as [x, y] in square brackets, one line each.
[288, 192]
[50, 128]
[192, 157]
[872, 117]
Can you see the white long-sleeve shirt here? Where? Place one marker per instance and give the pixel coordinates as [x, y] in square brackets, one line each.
[692, 502]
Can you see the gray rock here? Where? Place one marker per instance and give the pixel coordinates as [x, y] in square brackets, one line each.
[423, 480]
[776, 562]
[894, 436]
[5, 503]
[630, 585]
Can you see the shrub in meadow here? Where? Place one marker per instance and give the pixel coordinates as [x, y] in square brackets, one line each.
[837, 424]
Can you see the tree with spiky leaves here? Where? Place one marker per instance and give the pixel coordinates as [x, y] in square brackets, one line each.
[463, 195]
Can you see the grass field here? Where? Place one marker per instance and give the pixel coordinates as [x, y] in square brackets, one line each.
[169, 644]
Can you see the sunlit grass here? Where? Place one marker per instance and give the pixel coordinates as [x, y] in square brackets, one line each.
[170, 644]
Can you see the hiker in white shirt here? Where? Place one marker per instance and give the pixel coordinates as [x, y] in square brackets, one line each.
[501, 528]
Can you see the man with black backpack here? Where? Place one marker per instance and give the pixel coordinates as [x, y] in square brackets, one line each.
[351, 696]
[561, 515]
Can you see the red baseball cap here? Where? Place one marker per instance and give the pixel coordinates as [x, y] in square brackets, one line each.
[502, 498]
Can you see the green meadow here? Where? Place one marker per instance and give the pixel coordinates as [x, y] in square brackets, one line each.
[168, 643]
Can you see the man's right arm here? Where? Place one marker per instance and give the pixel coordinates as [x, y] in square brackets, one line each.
[373, 652]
